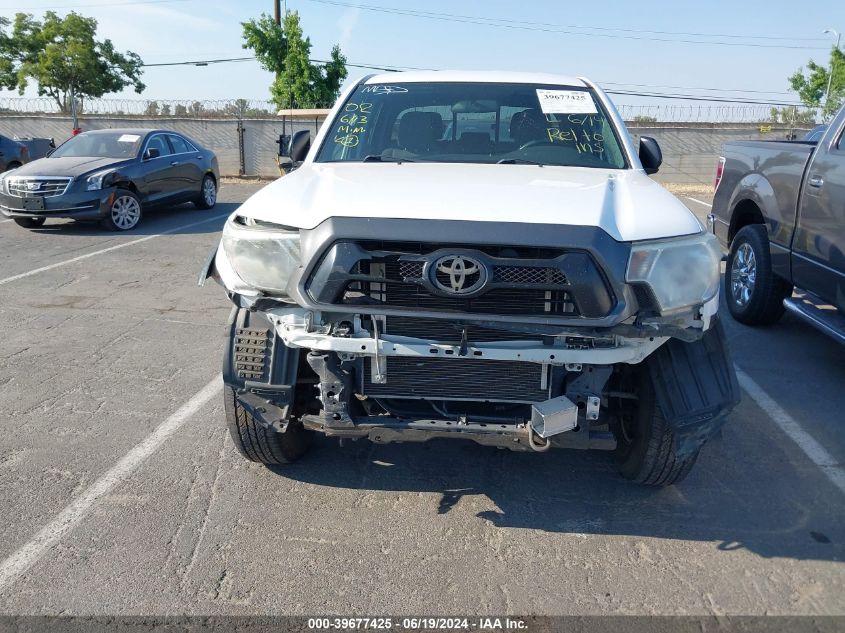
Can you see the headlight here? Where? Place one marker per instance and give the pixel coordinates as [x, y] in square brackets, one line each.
[95, 181]
[263, 255]
[3, 188]
[680, 272]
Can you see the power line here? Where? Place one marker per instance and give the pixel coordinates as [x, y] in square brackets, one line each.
[541, 27]
[769, 92]
[656, 95]
[659, 95]
[207, 62]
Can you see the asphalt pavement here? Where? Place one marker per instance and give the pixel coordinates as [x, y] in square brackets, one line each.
[121, 492]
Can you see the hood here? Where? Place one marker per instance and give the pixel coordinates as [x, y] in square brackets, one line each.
[72, 166]
[627, 204]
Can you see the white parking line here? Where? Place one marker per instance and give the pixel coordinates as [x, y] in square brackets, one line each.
[706, 204]
[29, 273]
[812, 449]
[24, 558]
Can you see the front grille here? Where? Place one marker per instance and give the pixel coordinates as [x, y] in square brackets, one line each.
[31, 187]
[445, 332]
[505, 301]
[458, 379]
[405, 294]
[520, 281]
[529, 275]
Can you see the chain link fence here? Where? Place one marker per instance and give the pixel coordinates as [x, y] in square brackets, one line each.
[245, 133]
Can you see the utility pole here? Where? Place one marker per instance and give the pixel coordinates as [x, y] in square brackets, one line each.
[838, 36]
[278, 13]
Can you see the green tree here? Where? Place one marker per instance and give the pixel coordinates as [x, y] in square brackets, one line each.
[63, 57]
[793, 116]
[152, 108]
[811, 84]
[285, 51]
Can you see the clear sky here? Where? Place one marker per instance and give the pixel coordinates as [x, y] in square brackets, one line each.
[609, 41]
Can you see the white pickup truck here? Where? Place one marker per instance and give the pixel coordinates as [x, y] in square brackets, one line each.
[474, 255]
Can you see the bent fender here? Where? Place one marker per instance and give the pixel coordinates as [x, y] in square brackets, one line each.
[696, 386]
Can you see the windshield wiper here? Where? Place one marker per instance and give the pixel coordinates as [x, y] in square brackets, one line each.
[517, 161]
[376, 158]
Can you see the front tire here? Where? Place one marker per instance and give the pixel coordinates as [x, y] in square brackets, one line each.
[753, 292]
[208, 193]
[645, 443]
[262, 444]
[30, 223]
[125, 212]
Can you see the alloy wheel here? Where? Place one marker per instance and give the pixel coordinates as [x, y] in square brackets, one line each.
[743, 274]
[125, 212]
[209, 192]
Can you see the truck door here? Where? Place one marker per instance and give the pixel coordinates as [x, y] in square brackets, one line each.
[818, 247]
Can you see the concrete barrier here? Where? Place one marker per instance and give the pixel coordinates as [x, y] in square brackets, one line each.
[690, 150]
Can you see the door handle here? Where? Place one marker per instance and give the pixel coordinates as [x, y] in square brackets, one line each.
[816, 181]
[174, 163]
[199, 157]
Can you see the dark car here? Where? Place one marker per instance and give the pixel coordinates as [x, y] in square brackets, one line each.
[111, 176]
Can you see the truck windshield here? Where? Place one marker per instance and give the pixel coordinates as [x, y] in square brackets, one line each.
[473, 123]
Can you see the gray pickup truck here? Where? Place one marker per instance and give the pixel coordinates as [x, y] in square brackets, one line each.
[780, 209]
[14, 152]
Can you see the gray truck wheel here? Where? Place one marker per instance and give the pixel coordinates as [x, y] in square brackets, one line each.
[754, 294]
[645, 443]
[261, 444]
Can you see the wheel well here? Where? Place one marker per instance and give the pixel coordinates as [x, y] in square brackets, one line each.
[209, 173]
[745, 213]
[128, 184]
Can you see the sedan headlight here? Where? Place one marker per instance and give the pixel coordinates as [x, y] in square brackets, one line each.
[680, 272]
[262, 254]
[95, 181]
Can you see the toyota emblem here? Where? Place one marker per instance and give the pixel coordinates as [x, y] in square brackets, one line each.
[458, 274]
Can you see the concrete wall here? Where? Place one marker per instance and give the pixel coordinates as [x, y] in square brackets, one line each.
[690, 150]
[218, 135]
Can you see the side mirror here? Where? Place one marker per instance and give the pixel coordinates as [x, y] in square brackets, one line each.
[650, 155]
[300, 143]
[151, 152]
[284, 144]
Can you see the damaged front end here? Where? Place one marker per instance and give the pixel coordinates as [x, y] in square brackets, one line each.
[521, 347]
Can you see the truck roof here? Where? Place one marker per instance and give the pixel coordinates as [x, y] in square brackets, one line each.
[470, 76]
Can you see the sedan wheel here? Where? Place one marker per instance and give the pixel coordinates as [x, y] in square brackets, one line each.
[125, 212]
[208, 193]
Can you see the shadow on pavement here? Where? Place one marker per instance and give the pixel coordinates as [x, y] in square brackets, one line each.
[728, 499]
[154, 221]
